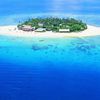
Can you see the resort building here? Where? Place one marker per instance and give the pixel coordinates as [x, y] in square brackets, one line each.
[64, 30]
[40, 24]
[26, 28]
[40, 30]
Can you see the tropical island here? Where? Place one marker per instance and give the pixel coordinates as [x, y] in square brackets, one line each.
[53, 24]
[50, 28]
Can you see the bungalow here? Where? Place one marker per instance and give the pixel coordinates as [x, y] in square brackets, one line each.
[27, 28]
[64, 30]
[40, 30]
[40, 24]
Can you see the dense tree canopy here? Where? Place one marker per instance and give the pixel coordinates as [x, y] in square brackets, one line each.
[54, 24]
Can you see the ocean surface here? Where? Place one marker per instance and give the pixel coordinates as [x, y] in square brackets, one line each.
[46, 68]
[49, 68]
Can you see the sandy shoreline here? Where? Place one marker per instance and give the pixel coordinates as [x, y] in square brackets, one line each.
[13, 31]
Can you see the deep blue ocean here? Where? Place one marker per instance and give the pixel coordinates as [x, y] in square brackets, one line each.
[49, 68]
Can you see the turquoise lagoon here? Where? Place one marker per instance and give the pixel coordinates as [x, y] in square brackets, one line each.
[49, 68]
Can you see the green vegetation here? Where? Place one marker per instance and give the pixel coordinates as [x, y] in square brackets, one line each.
[54, 24]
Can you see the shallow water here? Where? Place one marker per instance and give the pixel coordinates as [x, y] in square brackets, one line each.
[49, 69]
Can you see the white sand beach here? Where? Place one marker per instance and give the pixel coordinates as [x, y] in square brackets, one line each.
[13, 31]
